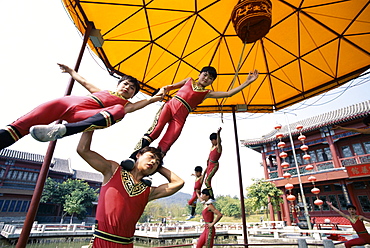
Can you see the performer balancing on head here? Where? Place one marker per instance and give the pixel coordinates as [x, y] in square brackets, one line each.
[209, 211]
[197, 186]
[357, 224]
[175, 111]
[99, 110]
[212, 162]
[123, 196]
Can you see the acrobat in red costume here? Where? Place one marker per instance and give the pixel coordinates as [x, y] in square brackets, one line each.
[197, 186]
[212, 166]
[121, 203]
[208, 235]
[363, 235]
[175, 112]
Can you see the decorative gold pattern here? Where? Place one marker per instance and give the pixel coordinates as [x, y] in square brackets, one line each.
[131, 188]
[197, 88]
[116, 94]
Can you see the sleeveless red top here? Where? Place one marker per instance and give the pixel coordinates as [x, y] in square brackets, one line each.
[214, 155]
[207, 215]
[192, 94]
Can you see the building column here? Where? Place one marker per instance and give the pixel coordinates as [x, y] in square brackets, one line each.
[286, 211]
[265, 170]
[278, 161]
[271, 209]
[348, 193]
[333, 151]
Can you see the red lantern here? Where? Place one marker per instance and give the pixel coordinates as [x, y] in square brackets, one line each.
[299, 127]
[309, 167]
[279, 135]
[278, 126]
[291, 198]
[306, 157]
[304, 147]
[285, 165]
[315, 191]
[283, 155]
[318, 202]
[301, 137]
[281, 144]
[287, 175]
[289, 186]
[312, 179]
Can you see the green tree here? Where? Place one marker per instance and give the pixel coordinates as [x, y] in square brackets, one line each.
[72, 196]
[261, 193]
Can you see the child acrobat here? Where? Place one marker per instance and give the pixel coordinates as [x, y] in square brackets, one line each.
[197, 187]
[101, 109]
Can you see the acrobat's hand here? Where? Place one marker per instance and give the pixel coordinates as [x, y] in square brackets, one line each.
[336, 127]
[219, 129]
[329, 203]
[64, 68]
[161, 93]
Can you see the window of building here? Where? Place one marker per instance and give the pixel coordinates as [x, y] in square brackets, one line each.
[328, 153]
[327, 188]
[5, 206]
[1, 204]
[313, 156]
[367, 146]
[30, 175]
[2, 172]
[20, 175]
[333, 199]
[9, 175]
[359, 185]
[364, 202]
[25, 175]
[35, 175]
[338, 187]
[324, 206]
[18, 206]
[342, 201]
[24, 207]
[357, 148]
[346, 150]
[12, 205]
[14, 175]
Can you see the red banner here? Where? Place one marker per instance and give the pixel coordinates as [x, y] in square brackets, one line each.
[359, 170]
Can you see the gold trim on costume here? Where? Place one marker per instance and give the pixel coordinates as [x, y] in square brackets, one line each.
[187, 106]
[131, 188]
[12, 133]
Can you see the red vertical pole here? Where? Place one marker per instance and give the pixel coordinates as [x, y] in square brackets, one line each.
[240, 181]
[35, 201]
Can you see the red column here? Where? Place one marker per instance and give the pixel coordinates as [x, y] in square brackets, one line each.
[334, 152]
[286, 211]
[265, 170]
[278, 160]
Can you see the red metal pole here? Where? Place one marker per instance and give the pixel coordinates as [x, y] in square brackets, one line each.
[240, 181]
[35, 201]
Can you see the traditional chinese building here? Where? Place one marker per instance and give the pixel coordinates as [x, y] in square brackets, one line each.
[18, 175]
[337, 163]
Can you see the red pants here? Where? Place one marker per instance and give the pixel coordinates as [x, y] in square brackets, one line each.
[206, 238]
[193, 199]
[68, 108]
[362, 239]
[174, 114]
[210, 172]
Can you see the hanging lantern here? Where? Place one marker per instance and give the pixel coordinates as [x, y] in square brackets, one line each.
[285, 165]
[289, 186]
[283, 155]
[278, 126]
[299, 127]
[304, 147]
[306, 157]
[301, 137]
[281, 144]
[315, 191]
[318, 202]
[312, 179]
[287, 175]
[252, 19]
[290, 198]
[279, 135]
[309, 167]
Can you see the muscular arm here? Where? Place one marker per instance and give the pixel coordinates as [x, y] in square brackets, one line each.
[95, 160]
[216, 212]
[175, 86]
[363, 218]
[174, 184]
[221, 94]
[357, 130]
[131, 107]
[219, 146]
[90, 87]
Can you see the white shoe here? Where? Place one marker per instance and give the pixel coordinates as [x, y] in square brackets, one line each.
[190, 217]
[46, 133]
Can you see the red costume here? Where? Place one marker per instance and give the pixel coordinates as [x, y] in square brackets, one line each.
[175, 112]
[197, 186]
[71, 109]
[121, 203]
[212, 166]
[363, 235]
[208, 235]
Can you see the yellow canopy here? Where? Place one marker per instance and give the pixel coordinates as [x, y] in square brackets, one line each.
[313, 46]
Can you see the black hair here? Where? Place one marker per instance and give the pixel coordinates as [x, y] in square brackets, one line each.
[211, 70]
[198, 168]
[213, 136]
[132, 80]
[366, 121]
[158, 154]
[351, 206]
[206, 192]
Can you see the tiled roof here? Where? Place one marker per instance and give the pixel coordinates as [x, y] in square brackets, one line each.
[57, 164]
[88, 176]
[334, 117]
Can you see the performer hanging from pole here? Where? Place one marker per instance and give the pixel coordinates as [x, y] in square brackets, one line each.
[99, 110]
[209, 211]
[123, 196]
[175, 111]
[212, 162]
[197, 186]
[357, 224]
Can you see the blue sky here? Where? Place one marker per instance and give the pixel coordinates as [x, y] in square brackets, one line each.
[39, 34]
